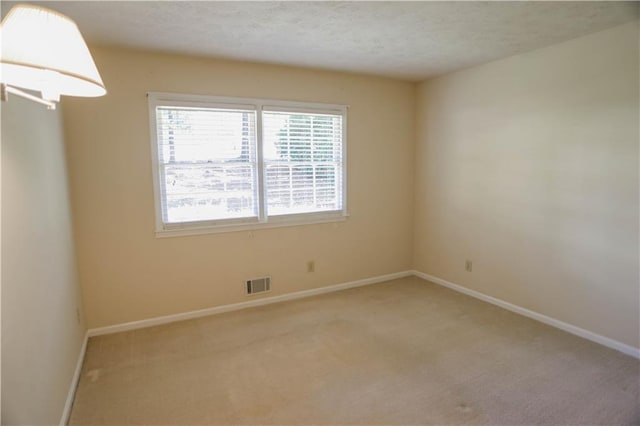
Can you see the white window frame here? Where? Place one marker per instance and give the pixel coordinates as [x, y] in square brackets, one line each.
[162, 229]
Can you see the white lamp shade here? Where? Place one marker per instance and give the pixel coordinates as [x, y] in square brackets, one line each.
[43, 50]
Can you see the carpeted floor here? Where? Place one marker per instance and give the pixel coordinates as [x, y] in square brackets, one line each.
[402, 352]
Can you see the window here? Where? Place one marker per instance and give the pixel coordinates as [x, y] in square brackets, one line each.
[223, 164]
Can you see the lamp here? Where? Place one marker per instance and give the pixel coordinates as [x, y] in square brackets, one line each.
[43, 50]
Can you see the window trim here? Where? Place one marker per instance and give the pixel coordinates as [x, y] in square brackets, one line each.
[262, 221]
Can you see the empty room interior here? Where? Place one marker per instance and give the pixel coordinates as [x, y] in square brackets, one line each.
[320, 213]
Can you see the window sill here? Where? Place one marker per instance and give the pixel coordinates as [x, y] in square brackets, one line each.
[274, 223]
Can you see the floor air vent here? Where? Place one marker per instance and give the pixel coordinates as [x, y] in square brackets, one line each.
[258, 285]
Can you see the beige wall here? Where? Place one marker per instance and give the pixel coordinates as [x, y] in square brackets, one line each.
[41, 336]
[528, 166]
[128, 274]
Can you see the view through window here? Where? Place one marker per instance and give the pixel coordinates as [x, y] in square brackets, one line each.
[219, 164]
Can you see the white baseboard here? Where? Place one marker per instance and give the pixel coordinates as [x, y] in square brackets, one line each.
[242, 305]
[150, 322]
[66, 412]
[605, 341]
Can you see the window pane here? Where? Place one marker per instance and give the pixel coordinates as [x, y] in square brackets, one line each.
[303, 159]
[207, 161]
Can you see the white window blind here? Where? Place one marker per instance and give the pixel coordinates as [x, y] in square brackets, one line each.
[303, 162]
[207, 163]
[233, 163]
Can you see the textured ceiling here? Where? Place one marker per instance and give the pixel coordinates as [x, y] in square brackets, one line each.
[407, 40]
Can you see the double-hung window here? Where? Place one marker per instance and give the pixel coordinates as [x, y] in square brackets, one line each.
[224, 164]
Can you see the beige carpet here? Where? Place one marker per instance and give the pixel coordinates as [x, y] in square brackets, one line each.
[401, 352]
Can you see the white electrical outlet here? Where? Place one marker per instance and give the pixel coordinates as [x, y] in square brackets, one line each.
[468, 265]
